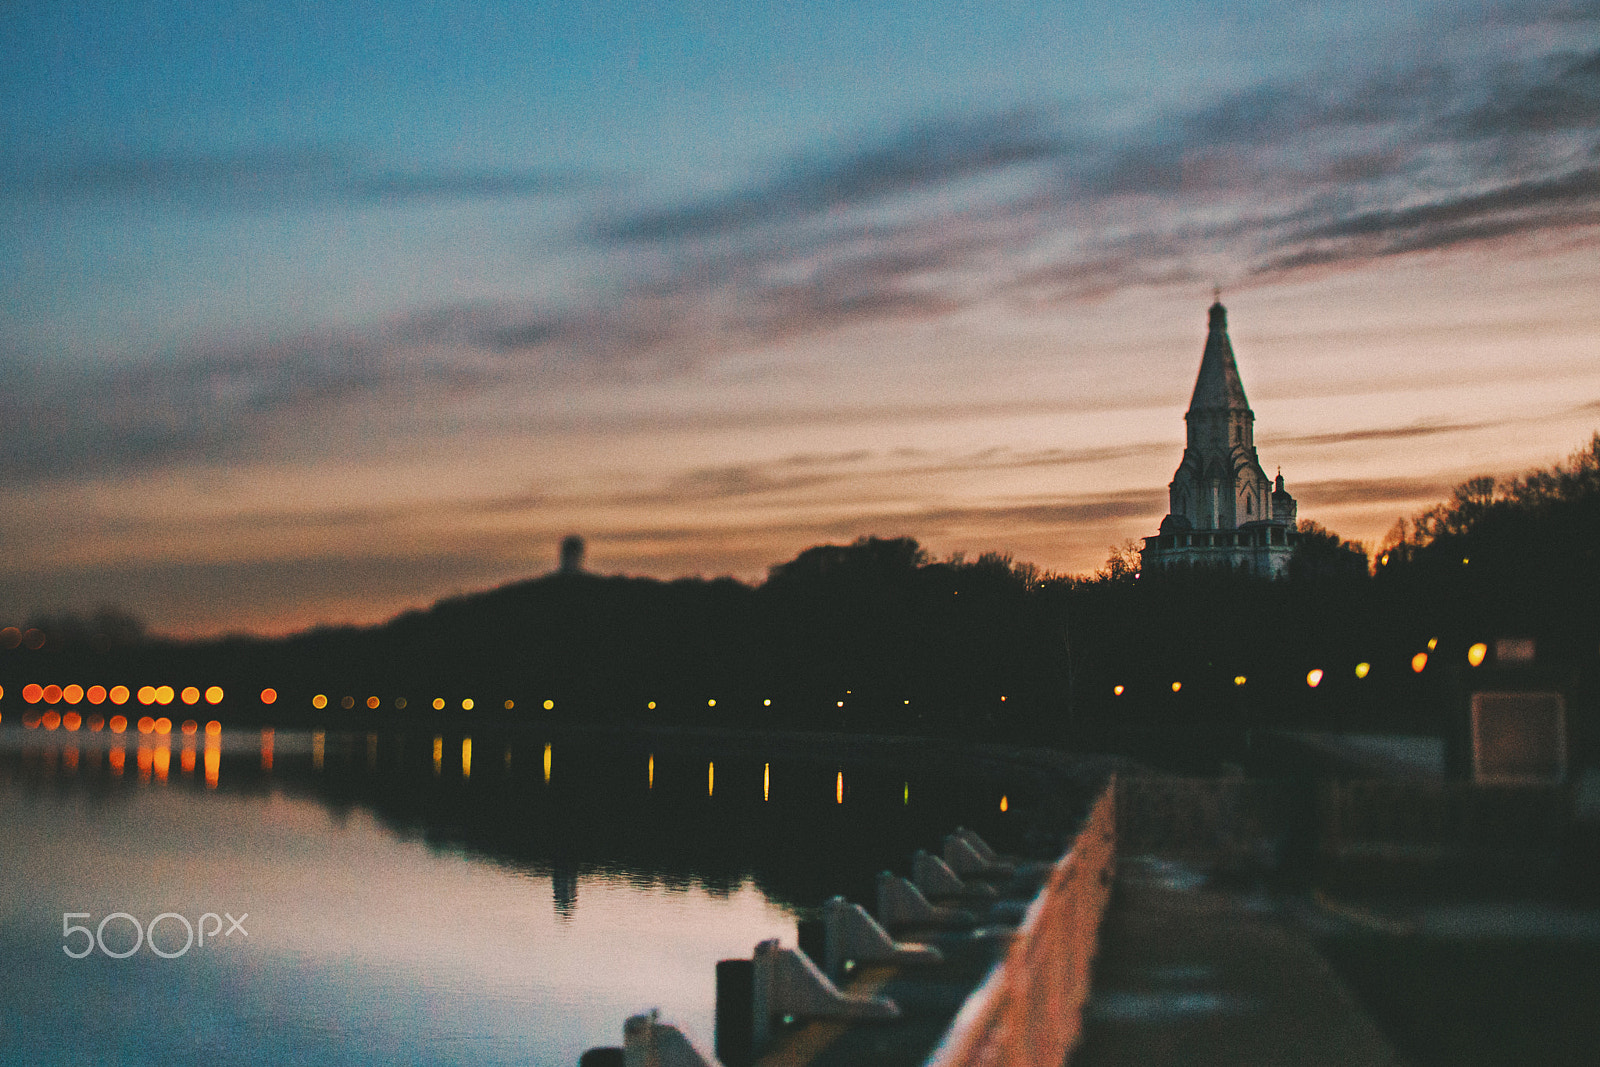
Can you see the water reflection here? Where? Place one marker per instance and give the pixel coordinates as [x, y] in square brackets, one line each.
[394, 889]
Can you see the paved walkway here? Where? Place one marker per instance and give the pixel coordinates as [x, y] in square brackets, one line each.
[1193, 974]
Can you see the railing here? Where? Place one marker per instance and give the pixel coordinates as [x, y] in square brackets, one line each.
[1030, 1009]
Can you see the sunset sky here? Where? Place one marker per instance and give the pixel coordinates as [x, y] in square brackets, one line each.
[314, 312]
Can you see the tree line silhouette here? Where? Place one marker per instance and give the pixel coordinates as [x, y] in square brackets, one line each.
[879, 636]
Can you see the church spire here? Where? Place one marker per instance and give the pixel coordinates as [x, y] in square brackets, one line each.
[1218, 387]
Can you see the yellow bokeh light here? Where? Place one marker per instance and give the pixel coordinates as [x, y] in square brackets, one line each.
[549, 705]
[147, 694]
[466, 705]
[163, 726]
[119, 694]
[1314, 677]
[711, 703]
[651, 705]
[438, 703]
[1477, 653]
[373, 702]
[1433, 643]
[1177, 687]
[1117, 689]
[165, 695]
[1362, 669]
[1418, 662]
[1238, 679]
[214, 694]
[190, 695]
[1005, 803]
[319, 701]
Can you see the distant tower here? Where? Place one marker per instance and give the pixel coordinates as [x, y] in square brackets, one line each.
[572, 554]
[1224, 511]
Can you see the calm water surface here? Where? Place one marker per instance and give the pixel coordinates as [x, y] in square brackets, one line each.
[413, 898]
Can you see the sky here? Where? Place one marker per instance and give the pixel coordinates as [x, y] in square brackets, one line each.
[317, 312]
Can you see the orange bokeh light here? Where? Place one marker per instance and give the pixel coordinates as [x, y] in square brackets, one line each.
[186, 760]
[269, 695]
[119, 723]
[52, 694]
[163, 760]
[96, 694]
[146, 724]
[163, 725]
[118, 758]
[51, 719]
[33, 692]
[1419, 661]
[190, 695]
[96, 723]
[118, 694]
[72, 693]
[373, 702]
[189, 727]
[213, 728]
[72, 720]
[165, 695]
[214, 694]
[147, 694]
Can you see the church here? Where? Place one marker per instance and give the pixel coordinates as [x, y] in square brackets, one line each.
[1224, 511]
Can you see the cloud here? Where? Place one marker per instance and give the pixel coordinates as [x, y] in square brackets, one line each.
[1391, 433]
[275, 176]
[920, 155]
[1330, 492]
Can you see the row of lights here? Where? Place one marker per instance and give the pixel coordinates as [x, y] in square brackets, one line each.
[117, 724]
[320, 701]
[35, 693]
[1419, 662]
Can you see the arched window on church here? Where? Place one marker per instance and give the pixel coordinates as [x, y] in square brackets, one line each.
[1249, 504]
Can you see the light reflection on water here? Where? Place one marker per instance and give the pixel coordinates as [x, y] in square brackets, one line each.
[399, 909]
